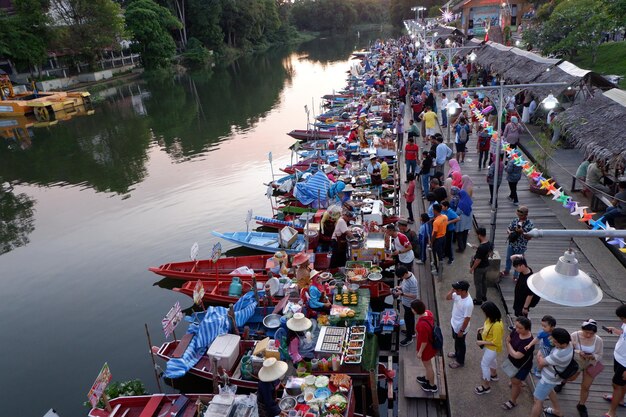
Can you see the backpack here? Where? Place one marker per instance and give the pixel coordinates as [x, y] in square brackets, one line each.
[570, 372]
[437, 337]
[463, 134]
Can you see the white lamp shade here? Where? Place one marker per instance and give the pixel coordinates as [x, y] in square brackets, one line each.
[565, 284]
[472, 56]
[550, 102]
[452, 107]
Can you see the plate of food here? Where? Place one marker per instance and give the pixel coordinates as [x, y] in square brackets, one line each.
[357, 337]
[337, 402]
[354, 351]
[375, 276]
[321, 381]
[357, 329]
[351, 359]
[354, 344]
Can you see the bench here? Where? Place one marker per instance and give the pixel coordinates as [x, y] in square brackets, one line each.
[152, 406]
[182, 345]
[600, 202]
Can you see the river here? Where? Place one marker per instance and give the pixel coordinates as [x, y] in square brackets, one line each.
[98, 199]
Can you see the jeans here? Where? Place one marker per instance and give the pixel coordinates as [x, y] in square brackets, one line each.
[409, 321]
[409, 208]
[513, 194]
[510, 252]
[491, 194]
[411, 167]
[483, 159]
[438, 249]
[425, 183]
[459, 348]
[444, 118]
[448, 251]
[480, 283]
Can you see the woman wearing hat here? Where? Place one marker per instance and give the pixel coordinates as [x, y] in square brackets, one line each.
[269, 379]
[318, 300]
[303, 269]
[297, 326]
[278, 264]
[339, 242]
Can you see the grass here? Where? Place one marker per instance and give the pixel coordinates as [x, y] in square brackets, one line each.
[611, 60]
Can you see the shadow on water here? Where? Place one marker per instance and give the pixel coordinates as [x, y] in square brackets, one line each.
[17, 220]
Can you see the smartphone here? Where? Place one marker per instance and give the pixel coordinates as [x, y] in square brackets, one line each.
[606, 329]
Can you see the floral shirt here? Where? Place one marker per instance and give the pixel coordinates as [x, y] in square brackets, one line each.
[521, 242]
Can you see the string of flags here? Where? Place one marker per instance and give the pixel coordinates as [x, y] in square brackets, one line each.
[540, 180]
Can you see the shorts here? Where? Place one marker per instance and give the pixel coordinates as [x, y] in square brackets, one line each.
[543, 389]
[522, 373]
[430, 131]
[618, 373]
[460, 147]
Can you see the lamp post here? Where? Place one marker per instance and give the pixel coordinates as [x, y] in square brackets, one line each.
[514, 89]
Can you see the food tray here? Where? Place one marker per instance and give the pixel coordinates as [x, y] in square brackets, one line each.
[351, 360]
[354, 351]
[356, 344]
[357, 330]
[357, 337]
[330, 339]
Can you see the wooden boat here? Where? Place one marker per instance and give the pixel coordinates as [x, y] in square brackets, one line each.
[170, 405]
[301, 134]
[263, 241]
[206, 269]
[204, 368]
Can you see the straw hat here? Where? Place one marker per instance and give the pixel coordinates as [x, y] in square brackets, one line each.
[279, 255]
[300, 258]
[348, 188]
[298, 323]
[313, 273]
[272, 370]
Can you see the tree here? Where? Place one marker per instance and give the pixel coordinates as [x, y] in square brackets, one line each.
[23, 34]
[149, 25]
[86, 28]
[203, 22]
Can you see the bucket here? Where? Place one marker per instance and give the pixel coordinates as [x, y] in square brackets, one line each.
[313, 237]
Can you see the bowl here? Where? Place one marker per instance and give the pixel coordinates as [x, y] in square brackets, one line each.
[287, 403]
[353, 287]
[375, 276]
[322, 393]
[272, 321]
[300, 398]
[309, 380]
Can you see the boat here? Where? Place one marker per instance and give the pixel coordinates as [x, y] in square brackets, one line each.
[301, 134]
[206, 269]
[263, 241]
[46, 105]
[204, 367]
[170, 405]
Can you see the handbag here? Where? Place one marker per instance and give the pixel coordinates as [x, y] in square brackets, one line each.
[509, 369]
[479, 336]
[595, 369]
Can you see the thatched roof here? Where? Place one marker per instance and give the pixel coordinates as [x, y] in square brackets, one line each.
[597, 125]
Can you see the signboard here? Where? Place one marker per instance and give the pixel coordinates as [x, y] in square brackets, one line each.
[216, 252]
[99, 385]
[198, 292]
[483, 17]
[195, 248]
[171, 319]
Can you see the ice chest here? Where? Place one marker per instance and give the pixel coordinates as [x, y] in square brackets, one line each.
[287, 237]
[225, 349]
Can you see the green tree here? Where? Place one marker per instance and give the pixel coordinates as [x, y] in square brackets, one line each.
[203, 23]
[149, 25]
[23, 35]
[87, 27]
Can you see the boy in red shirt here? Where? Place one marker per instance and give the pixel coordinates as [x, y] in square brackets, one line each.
[425, 350]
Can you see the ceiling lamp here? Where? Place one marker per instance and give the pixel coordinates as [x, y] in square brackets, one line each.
[472, 56]
[550, 102]
[565, 284]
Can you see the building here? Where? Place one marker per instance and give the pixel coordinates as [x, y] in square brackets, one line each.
[478, 15]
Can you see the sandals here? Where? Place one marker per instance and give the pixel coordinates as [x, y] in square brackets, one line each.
[480, 390]
[509, 405]
[609, 398]
[549, 411]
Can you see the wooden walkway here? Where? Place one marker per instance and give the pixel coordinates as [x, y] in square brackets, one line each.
[541, 253]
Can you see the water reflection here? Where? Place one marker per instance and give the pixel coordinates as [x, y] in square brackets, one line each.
[17, 221]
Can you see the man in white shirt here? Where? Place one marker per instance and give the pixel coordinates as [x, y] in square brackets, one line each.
[558, 359]
[462, 308]
[619, 363]
[444, 110]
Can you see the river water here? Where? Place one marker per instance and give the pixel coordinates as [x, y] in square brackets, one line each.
[98, 199]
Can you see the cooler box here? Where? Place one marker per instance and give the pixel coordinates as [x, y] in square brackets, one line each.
[287, 236]
[225, 349]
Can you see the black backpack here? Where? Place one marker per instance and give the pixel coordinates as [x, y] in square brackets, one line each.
[570, 372]
[437, 337]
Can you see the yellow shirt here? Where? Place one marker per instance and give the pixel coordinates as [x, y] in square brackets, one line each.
[430, 119]
[384, 170]
[493, 333]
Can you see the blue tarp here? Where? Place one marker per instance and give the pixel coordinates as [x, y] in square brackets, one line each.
[313, 191]
[215, 323]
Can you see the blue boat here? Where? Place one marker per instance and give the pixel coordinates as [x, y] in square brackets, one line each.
[263, 241]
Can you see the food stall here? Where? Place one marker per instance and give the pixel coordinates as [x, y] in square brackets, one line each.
[319, 395]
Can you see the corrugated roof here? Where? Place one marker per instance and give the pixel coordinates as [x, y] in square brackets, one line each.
[617, 95]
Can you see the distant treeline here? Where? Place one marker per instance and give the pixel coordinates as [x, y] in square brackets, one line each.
[158, 29]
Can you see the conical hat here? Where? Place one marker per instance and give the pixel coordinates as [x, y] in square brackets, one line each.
[272, 370]
[298, 323]
[300, 258]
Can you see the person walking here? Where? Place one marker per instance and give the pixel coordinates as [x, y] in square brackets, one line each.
[483, 144]
[517, 238]
[409, 291]
[444, 110]
[513, 175]
[425, 231]
[479, 265]
[490, 339]
[453, 219]
[462, 133]
[464, 211]
[425, 349]
[619, 363]
[427, 164]
[551, 366]
[430, 120]
[462, 308]
[519, 357]
[442, 153]
[409, 196]
[411, 157]
[512, 132]
[398, 125]
[588, 348]
[491, 178]
[523, 297]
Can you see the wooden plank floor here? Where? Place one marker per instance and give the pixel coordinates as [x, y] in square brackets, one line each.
[541, 253]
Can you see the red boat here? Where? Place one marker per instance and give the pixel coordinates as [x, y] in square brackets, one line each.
[301, 134]
[204, 367]
[171, 405]
[206, 269]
